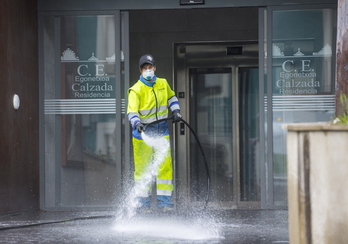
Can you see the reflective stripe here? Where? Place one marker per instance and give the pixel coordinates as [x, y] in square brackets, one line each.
[174, 103]
[175, 107]
[172, 100]
[164, 181]
[152, 119]
[164, 192]
[153, 110]
[163, 108]
[147, 111]
[131, 115]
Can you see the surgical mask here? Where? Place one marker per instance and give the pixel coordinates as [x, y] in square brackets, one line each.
[148, 74]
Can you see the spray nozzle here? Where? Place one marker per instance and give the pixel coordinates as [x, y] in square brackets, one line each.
[176, 116]
[140, 127]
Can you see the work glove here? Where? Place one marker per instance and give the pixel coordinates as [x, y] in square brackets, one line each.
[140, 127]
[176, 116]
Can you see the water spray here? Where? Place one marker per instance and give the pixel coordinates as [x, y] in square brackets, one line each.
[191, 230]
[207, 198]
[161, 146]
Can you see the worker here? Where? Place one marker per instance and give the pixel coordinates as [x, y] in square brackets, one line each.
[149, 100]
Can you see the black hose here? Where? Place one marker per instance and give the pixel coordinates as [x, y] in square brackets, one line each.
[204, 160]
[111, 216]
[54, 222]
[207, 199]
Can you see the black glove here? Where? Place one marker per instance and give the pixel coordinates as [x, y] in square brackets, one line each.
[140, 127]
[176, 116]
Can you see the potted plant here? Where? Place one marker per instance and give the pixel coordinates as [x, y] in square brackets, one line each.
[317, 180]
[342, 119]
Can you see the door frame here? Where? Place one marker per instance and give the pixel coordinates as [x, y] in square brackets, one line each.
[182, 143]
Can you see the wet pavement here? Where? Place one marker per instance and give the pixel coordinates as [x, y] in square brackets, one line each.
[225, 226]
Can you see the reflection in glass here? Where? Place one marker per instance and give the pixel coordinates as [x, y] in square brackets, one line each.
[249, 135]
[211, 104]
[303, 79]
[80, 149]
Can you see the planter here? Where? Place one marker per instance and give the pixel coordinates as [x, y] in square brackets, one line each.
[317, 183]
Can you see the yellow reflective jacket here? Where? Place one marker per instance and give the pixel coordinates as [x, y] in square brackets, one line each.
[147, 104]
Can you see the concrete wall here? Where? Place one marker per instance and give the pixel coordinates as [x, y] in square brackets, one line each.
[19, 129]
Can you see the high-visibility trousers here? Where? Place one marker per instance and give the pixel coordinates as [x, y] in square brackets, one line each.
[143, 157]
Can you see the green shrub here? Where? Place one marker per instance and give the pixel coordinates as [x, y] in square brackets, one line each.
[342, 119]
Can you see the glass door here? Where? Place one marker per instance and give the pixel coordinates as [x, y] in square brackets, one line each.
[82, 112]
[249, 135]
[299, 86]
[211, 116]
[224, 111]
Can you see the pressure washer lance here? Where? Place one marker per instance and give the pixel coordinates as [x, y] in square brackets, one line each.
[207, 198]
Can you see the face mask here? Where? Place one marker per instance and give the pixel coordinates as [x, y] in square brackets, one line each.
[148, 74]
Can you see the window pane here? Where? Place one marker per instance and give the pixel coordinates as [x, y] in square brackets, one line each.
[211, 104]
[303, 78]
[250, 182]
[80, 112]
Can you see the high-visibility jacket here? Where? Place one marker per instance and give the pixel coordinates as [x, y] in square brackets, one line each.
[147, 104]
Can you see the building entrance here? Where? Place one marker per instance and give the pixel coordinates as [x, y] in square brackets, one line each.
[237, 94]
[218, 88]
